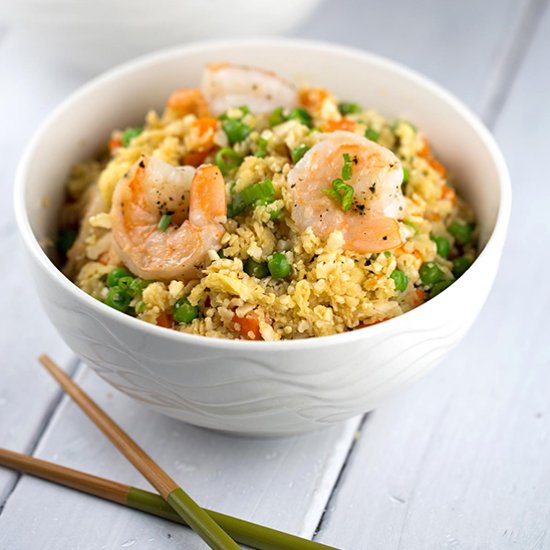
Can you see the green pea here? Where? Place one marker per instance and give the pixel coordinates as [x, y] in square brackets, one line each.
[118, 299]
[276, 117]
[116, 274]
[442, 244]
[400, 280]
[460, 266]
[256, 269]
[373, 135]
[462, 232]
[235, 130]
[279, 266]
[184, 312]
[301, 115]
[437, 288]
[349, 108]
[298, 152]
[431, 273]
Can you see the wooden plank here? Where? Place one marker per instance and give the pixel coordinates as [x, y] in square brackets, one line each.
[459, 44]
[27, 396]
[461, 460]
[281, 482]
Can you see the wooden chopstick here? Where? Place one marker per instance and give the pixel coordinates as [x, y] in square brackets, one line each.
[175, 496]
[245, 532]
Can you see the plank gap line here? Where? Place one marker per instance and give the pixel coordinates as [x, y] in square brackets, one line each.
[340, 474]
[72, 369]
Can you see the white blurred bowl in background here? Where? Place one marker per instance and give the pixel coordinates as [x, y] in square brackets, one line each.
[101, 33]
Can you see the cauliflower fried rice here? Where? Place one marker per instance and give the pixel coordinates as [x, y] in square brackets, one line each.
[266, 276]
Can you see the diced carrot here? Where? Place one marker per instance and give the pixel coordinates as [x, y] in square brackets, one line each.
[195, 158]
[188, 101]
[342, 124]
[115, 142]
[426, 153]
[448, 193]
[165, 320]
[419, 297]
[312, 98]
[248, 327]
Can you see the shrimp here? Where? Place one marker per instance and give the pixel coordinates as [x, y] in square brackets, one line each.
[225, 85]
[196, 200]
[371, 224]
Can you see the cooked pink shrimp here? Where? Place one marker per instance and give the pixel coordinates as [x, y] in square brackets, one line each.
[371, 224]
[225, 85]
[196, 200]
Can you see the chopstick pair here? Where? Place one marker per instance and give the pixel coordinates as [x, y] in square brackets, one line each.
[173, 503]
[245, 532]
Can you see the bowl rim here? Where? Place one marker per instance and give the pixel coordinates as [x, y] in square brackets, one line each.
[495, 239]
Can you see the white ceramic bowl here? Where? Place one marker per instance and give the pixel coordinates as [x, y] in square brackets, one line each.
[261, 387]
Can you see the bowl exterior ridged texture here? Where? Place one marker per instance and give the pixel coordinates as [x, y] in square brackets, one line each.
[271, 393]
[255, 387]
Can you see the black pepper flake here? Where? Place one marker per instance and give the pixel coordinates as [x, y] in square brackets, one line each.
[385, 238]
[372, 188]
[141, 164]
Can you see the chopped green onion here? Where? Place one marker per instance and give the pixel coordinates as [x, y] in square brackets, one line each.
[301, 115]
[276, 117]
[184, 312]
[258, 193]
[140, 307]
[118, 299]
[164, 222]
[347, 168]
[430, 273]
[279, 266]
[275, 214]
[137, 286]
[372, 134]
[235, 130]
[460, 266]
[245, 110]
[406, 174]
[261, 151]
[129, 134]
[116, 274]
[65, 240]
[227, 160]
[437, 288]
[298, 152]
[400, 280]
[256, 269]
[349, 108]
[442, 244]
[462, 232]
[341, 192]
[124, 283]
[409, 223]
[387, 253]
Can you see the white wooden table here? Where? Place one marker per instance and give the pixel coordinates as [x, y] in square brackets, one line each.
[461, 460]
